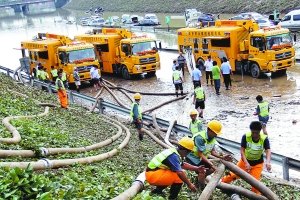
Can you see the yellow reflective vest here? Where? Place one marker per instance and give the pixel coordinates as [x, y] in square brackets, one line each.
[254, 150]
[156, 162]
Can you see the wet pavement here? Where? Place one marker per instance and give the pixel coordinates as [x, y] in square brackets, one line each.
[234, 108]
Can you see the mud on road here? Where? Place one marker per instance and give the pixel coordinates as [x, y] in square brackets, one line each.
[234, 108]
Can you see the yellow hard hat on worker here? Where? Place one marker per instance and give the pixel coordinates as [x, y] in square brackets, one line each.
[215, 126]
[137, 96]
[194, 112]
[187, 143]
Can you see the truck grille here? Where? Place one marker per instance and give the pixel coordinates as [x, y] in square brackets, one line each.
[147, 60]
[283, 55]
[84, 68]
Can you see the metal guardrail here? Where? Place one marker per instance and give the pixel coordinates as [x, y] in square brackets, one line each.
[284, 161]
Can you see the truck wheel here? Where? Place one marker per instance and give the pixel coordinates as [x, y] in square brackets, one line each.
[150, 74]
[200, 60]
[255, 70]
[125, 73]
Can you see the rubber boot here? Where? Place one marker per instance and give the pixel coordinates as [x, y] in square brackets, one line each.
[141, 136]
[176, 94]
[174, 191]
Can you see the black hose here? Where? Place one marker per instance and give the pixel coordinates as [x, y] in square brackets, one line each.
[145, 93]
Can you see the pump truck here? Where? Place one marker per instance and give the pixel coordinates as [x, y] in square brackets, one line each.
[123, 53]
[62, 53]
[248, 48]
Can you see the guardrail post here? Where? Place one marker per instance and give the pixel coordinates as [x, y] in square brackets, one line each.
[100, 106]
[49, 88]
[71, 97]
[285, 167]
[7, 72]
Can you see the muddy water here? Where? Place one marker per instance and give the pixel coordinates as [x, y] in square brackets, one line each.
[234, 108]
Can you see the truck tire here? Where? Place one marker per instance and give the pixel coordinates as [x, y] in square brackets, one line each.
[150, 74]
[125, 73]
[200, 60]
[255, 70]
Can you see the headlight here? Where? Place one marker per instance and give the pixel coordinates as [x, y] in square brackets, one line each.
[138, 67]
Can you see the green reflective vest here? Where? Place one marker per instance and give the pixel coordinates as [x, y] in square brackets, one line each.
[263, 109]
[156, 162]
[176, 75]
[209, 145]
[254, 150]
[216, 72]
[199, 92]
[194, 126]
[38, 73]
[64, 76]
[43, 75]
[139, 111]
[59, 82]
[54, 73]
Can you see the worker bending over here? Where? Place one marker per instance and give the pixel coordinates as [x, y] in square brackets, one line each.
[166, 169]
[204, 143]
[61, 91]
[253, 146]
[262, 111]
[136, 114]
[196, 125]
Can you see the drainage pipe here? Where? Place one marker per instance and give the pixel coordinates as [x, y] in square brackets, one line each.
[164, 103]
[172, 123]
[251, 180]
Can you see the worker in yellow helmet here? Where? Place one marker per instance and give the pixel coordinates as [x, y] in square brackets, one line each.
[204, 145]
[195, 124]
[136, 114]
[166, 169]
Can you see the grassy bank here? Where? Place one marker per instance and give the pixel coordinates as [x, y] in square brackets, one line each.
[77, 127]
[172, 6]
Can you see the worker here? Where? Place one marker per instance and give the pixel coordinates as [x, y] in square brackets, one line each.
[96, 78]
[216, 76]
[44, 76]
[196, 76]
[208, 66]
[199, 99]
[174, 65]
[226, 72]
[64, 78]
[181, 62]
[39, 72]
[136, 114]
[204, 145]
[76, 79]
[177, 81]
[54, 73]
[166, 169]
[262, 111]
[253, 145]
[61, 91]
[195, 124]
[36, 70]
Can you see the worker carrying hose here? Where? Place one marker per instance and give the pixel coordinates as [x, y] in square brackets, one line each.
[136, 114]
[196, 125]
[253, 146]
[166, 169]
[204, 145]
[61, 91]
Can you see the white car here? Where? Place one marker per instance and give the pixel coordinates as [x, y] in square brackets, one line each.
[291, 20]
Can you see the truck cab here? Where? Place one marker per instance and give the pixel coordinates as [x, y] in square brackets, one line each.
[121, 52]
[62, 53]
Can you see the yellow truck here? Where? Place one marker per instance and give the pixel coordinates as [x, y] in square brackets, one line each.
[122, 52]
[62, 53]
[248, 48]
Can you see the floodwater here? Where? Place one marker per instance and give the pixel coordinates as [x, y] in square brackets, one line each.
[234, 108]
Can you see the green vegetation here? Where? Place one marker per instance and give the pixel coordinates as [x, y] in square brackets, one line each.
[172, 6]
[77, 127]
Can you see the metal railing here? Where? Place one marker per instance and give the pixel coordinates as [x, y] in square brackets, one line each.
[287, 163]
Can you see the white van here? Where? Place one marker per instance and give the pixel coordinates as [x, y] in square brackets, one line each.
[291, 20]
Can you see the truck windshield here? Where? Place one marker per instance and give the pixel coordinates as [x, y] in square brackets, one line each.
[81, 55]
[279, 41]
[142, 48]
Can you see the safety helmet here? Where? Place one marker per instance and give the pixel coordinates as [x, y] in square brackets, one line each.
[194, 112]
[215, 126]
[137, 96]
[187, 143]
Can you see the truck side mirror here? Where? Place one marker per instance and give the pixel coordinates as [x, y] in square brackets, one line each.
[125, 48]
[295, 38]
[61, 57]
